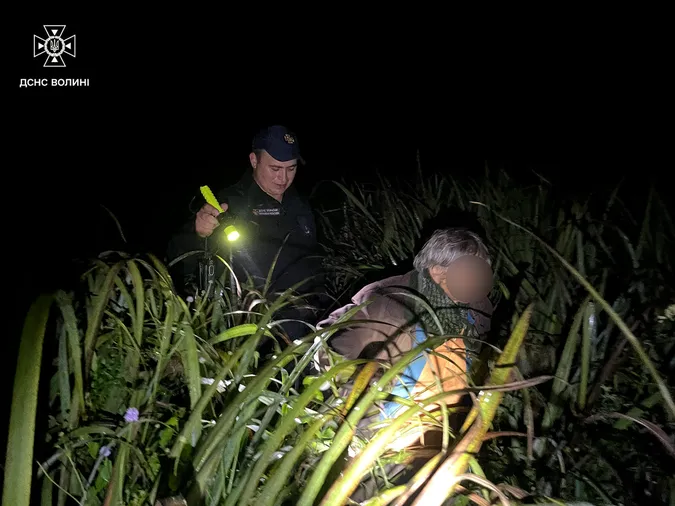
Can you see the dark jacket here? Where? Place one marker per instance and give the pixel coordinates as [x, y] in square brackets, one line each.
[263, 223]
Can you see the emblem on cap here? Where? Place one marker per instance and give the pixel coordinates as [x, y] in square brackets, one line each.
[289, 138]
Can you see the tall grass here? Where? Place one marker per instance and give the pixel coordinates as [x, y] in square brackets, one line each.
[154, 396]
[237, 440]
[602, 278]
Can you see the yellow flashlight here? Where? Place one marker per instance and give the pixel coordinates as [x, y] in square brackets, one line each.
[231, 231]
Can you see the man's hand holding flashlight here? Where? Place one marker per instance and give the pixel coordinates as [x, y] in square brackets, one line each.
[207, 220]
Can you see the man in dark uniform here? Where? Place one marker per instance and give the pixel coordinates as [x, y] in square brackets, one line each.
[269, 215]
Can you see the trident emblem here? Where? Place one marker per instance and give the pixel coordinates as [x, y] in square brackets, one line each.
[54, 46]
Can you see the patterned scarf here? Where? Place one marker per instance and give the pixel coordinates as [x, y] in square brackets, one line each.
[453, 316]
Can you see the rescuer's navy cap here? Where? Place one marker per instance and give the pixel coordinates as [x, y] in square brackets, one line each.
[279, 142]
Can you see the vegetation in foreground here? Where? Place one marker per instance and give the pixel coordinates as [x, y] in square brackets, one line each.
[153, 396]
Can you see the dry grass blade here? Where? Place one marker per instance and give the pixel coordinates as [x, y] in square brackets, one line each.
[650, 426]
[419, 479]
[117, 222]
[503, 433]
[485, 483]
[472, 496]
[516, 492]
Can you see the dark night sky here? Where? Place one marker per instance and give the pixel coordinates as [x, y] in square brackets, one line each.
[173, 105]
[166, 112]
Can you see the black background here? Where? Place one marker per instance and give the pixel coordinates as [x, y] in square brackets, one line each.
[173, 104]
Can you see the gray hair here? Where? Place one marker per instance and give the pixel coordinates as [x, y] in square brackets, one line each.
[447, 245]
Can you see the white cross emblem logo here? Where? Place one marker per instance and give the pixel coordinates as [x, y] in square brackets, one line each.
[54, 45]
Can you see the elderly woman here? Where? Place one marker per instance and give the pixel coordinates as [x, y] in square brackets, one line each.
[453, 276]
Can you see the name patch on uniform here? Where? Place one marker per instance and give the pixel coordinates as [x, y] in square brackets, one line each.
[269, 211]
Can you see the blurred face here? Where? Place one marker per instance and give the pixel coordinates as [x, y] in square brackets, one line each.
[273, 176]
[468, 279]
